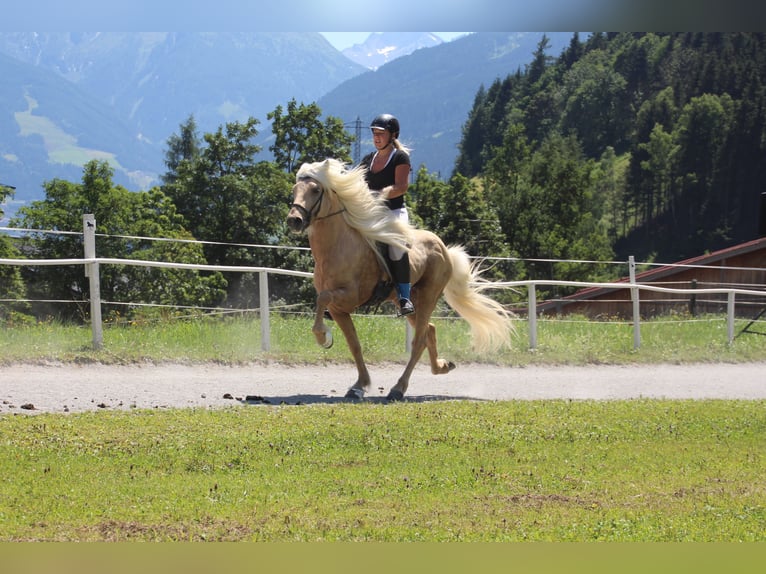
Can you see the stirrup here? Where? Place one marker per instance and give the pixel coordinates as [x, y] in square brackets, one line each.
[405, 307]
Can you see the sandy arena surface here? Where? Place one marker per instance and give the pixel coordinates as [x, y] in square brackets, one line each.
[60, 388]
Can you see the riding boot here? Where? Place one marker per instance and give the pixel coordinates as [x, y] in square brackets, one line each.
[401, 275]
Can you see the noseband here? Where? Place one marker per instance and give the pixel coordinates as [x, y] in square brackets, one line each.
[314, 213]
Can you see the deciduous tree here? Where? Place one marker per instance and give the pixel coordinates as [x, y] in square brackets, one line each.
[300, 136]
[127, 219]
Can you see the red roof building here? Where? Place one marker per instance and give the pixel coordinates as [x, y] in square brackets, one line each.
[742, 266]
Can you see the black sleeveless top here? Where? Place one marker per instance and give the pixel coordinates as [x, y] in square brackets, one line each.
[386, 176]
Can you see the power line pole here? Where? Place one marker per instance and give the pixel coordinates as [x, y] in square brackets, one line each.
[358, 141]
[357, 125]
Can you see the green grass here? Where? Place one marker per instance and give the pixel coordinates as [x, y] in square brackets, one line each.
[236, 341]
[449, 471]
[638, 470]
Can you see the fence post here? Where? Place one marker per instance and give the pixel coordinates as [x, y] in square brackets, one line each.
[730, 316]
[532, 316]
[92, 273]
[263, 293]
[693, 300]
[634, 292]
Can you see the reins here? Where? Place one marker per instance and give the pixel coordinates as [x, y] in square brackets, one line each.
[314, 213]
[341, 210]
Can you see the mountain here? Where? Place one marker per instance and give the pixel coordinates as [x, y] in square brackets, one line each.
[431, 91]
[49, 128]
[69, 97]
[383, 47]
[216, 76]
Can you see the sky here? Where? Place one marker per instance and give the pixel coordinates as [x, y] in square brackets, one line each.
[400, 15]
[343, 40]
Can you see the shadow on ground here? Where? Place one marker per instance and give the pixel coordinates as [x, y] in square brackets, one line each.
[297, 400]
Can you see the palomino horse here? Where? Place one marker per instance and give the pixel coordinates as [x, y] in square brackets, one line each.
[345, 222]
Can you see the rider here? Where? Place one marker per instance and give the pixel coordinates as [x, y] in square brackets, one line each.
[388, 173]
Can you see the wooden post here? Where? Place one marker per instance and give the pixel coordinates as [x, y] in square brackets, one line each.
[532, 316]
[634, 292]
[693, 300]
[263, 293]
[92, 273]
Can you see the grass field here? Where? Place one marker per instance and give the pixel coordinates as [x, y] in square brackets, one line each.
[517, 471]
[641, 470]
[238, 340]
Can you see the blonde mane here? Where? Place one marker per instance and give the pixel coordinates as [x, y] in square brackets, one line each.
[364, 211]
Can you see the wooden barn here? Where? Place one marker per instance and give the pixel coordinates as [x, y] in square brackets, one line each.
[742, 266]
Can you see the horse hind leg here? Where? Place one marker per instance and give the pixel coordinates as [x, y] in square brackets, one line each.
[418, 346]
[438, 366]
[424, 338]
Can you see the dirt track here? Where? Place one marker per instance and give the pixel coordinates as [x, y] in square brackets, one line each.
[58, 388]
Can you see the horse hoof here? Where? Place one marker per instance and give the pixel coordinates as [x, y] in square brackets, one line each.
[395, 396]
[328, 340]
[356, 394]
[451, 366]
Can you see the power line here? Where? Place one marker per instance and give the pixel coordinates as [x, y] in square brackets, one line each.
[357, 125]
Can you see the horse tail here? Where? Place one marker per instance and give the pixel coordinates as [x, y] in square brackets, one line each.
[490, 322]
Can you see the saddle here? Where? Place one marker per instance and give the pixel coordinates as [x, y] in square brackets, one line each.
[383, 288]
[381, 291]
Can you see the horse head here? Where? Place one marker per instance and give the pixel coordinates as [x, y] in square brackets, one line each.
[312, 181]
[308, 194]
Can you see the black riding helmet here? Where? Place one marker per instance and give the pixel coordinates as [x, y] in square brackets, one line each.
[386, 122]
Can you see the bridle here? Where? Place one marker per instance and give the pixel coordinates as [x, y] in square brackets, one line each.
[315, 209]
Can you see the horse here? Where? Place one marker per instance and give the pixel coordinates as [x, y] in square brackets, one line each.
[346, 224]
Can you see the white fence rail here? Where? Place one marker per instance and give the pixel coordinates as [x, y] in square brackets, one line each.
[92, 265]
[635, 289]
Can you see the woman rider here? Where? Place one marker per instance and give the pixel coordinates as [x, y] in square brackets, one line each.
[388, 173]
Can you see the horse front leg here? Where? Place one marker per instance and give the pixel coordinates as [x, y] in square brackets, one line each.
[362, 384]
[322, 333]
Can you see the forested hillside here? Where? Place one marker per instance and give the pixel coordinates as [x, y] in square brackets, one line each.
[628, 143]
[650, 145]
[431, 90]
